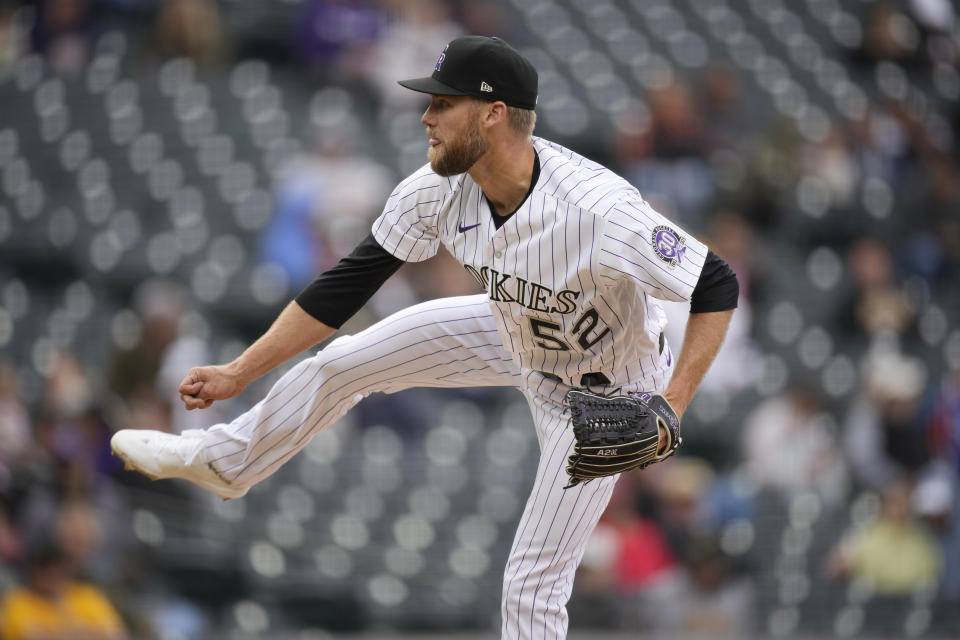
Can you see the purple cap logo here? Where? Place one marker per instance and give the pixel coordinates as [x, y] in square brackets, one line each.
[443, 54]
[668, 245]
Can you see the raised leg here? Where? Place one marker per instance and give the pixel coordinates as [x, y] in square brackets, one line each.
[450, 342]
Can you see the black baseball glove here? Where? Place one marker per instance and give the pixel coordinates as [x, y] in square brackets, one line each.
[617, 433]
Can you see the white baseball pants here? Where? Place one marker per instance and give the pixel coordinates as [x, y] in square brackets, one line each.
[449, 342]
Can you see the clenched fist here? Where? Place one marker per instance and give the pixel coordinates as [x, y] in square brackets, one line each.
[204, 385]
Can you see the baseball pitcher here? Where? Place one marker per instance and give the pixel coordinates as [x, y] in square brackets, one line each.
[573, 263]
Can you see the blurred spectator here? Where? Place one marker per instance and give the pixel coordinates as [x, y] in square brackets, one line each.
[629, 545]
[948, 238]
[159, 305]
[11, 39]
[75, 436]
[889, 35]
[90, 550]
[937, 497]
[189, 348]
[831, 162]
[681, 490]
[78, 530]
[80, 446]
[731, 499]
[912, 33]
[883, 439]
[11, 547]
[678, 127]
[146, 375]
[875, 304]
[940, 193]
[62, 483]
[940, 416]
[292, 239]
[668, 163]
[486, 18]
[737, 364]
[881, 144]
[336, 38]
[52, 603]
[15, 436]
[69, 391]
[742, 247]
[772, 168]
[326, 201]
[626, 554]
[894, 554]
[407, 45]
[726, 116]
[191, 28]
[936, 502]
[929, 246]
[64, 32]
[660, 563]
[706, 599]
[145, 408]
[789, 445]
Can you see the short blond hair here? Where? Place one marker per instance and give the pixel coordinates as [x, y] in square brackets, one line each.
[522, 120]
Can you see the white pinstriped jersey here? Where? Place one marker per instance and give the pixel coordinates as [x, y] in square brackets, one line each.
[573, 276]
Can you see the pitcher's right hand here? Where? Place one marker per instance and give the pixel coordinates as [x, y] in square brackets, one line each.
[203, 386]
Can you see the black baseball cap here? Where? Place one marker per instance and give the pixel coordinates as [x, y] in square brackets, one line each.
[484, 67]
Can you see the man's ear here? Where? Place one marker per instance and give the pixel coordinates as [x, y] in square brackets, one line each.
[495, 112]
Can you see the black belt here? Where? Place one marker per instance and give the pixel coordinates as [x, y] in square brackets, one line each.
[591, 379]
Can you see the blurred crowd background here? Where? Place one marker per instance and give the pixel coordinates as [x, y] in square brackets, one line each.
[172, 172]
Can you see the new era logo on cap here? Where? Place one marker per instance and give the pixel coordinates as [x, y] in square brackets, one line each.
[486, 68]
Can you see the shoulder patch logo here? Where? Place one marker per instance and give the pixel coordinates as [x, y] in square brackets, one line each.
[485, 87]
[668, 245]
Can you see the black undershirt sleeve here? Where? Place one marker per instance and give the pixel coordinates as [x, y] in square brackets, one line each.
[338, 293]
[717, 289]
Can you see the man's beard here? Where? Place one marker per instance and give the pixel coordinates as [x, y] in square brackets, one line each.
[457, 156]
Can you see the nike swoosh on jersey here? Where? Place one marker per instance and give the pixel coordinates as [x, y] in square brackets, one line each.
[463, 228]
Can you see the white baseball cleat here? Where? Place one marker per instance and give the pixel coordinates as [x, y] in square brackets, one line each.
[160, 455]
